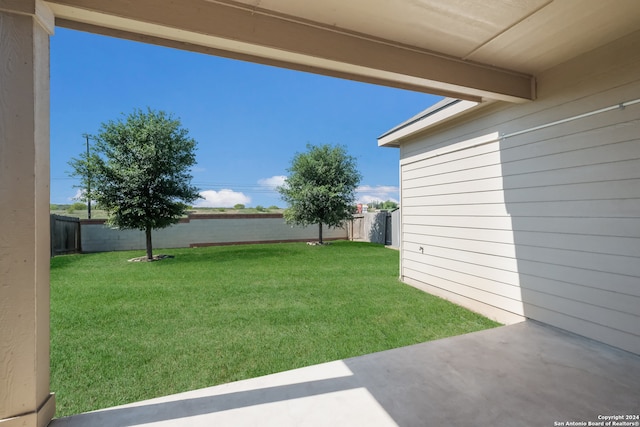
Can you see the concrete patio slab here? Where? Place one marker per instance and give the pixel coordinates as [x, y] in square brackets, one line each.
[526, 374]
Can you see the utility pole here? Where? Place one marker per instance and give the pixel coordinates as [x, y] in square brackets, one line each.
[88, 180]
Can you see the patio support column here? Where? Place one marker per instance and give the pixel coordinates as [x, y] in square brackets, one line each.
[25, 399]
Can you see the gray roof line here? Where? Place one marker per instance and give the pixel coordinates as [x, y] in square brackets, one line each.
[435, 108]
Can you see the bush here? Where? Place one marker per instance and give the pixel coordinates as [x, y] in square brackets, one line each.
[273, 207]
[77, 206]
[389, 205]
[260, 208]
[238, 206]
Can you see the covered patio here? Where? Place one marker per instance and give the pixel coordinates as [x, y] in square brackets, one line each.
[507, 57]
[522, 374]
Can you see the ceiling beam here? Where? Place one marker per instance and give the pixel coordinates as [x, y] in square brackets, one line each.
[238, 31]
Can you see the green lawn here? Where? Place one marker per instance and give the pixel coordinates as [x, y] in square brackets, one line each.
[122, 332]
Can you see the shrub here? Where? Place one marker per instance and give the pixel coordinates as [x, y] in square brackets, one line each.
[389, 205]
[238, 206]
[77, 206]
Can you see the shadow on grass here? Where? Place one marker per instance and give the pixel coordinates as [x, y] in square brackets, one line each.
[65, 261]
[61, 262]
[218, 254]
[226, 254]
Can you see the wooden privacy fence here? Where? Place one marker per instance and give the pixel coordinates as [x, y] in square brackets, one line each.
[377, 227]
[65, 235]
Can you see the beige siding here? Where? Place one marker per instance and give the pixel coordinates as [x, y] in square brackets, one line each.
[544, 224]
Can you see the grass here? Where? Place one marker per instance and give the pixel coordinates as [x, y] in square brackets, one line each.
[122, 332]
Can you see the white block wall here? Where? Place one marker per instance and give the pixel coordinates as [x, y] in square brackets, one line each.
[203, 230]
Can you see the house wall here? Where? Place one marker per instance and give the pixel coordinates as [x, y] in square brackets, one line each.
[543, 224]
[204, 230]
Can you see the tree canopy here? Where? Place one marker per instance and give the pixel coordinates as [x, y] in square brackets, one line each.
[320, 188]
[139, 171]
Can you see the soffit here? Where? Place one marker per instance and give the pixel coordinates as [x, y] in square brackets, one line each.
[462, 48]
[558, 32]
[454, 27]
[527, 36]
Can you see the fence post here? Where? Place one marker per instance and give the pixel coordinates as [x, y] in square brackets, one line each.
[52, 238]
[79, 237]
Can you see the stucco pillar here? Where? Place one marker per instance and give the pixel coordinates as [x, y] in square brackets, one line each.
[25, 399]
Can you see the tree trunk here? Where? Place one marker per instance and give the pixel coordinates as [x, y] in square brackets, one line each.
[320, 233]
[149, 248]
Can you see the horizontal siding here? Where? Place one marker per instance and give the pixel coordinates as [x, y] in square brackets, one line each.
[545, 224]
[500, 254]
[607, 245]
[435, 257]
[482, 285]
[570, 306]
[578, 136]
[488, 310]
[478, 258]
[620, 171]
[510, 270]
[604, 190]
[481, 295]
[620, 227]
[615, 282]
[592, 296]
[565, 91]
[525, 159]
[619, 208]
[583, 326]
[512, 284]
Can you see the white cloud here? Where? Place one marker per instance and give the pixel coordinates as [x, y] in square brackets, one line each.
[273, 182]
[224, 198]
[79, 195]
[379, 193]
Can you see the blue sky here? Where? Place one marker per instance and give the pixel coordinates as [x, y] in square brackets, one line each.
[248, 119]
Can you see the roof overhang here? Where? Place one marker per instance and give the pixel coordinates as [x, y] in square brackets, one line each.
[246, 32]
[476, 51]
[441, 112]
